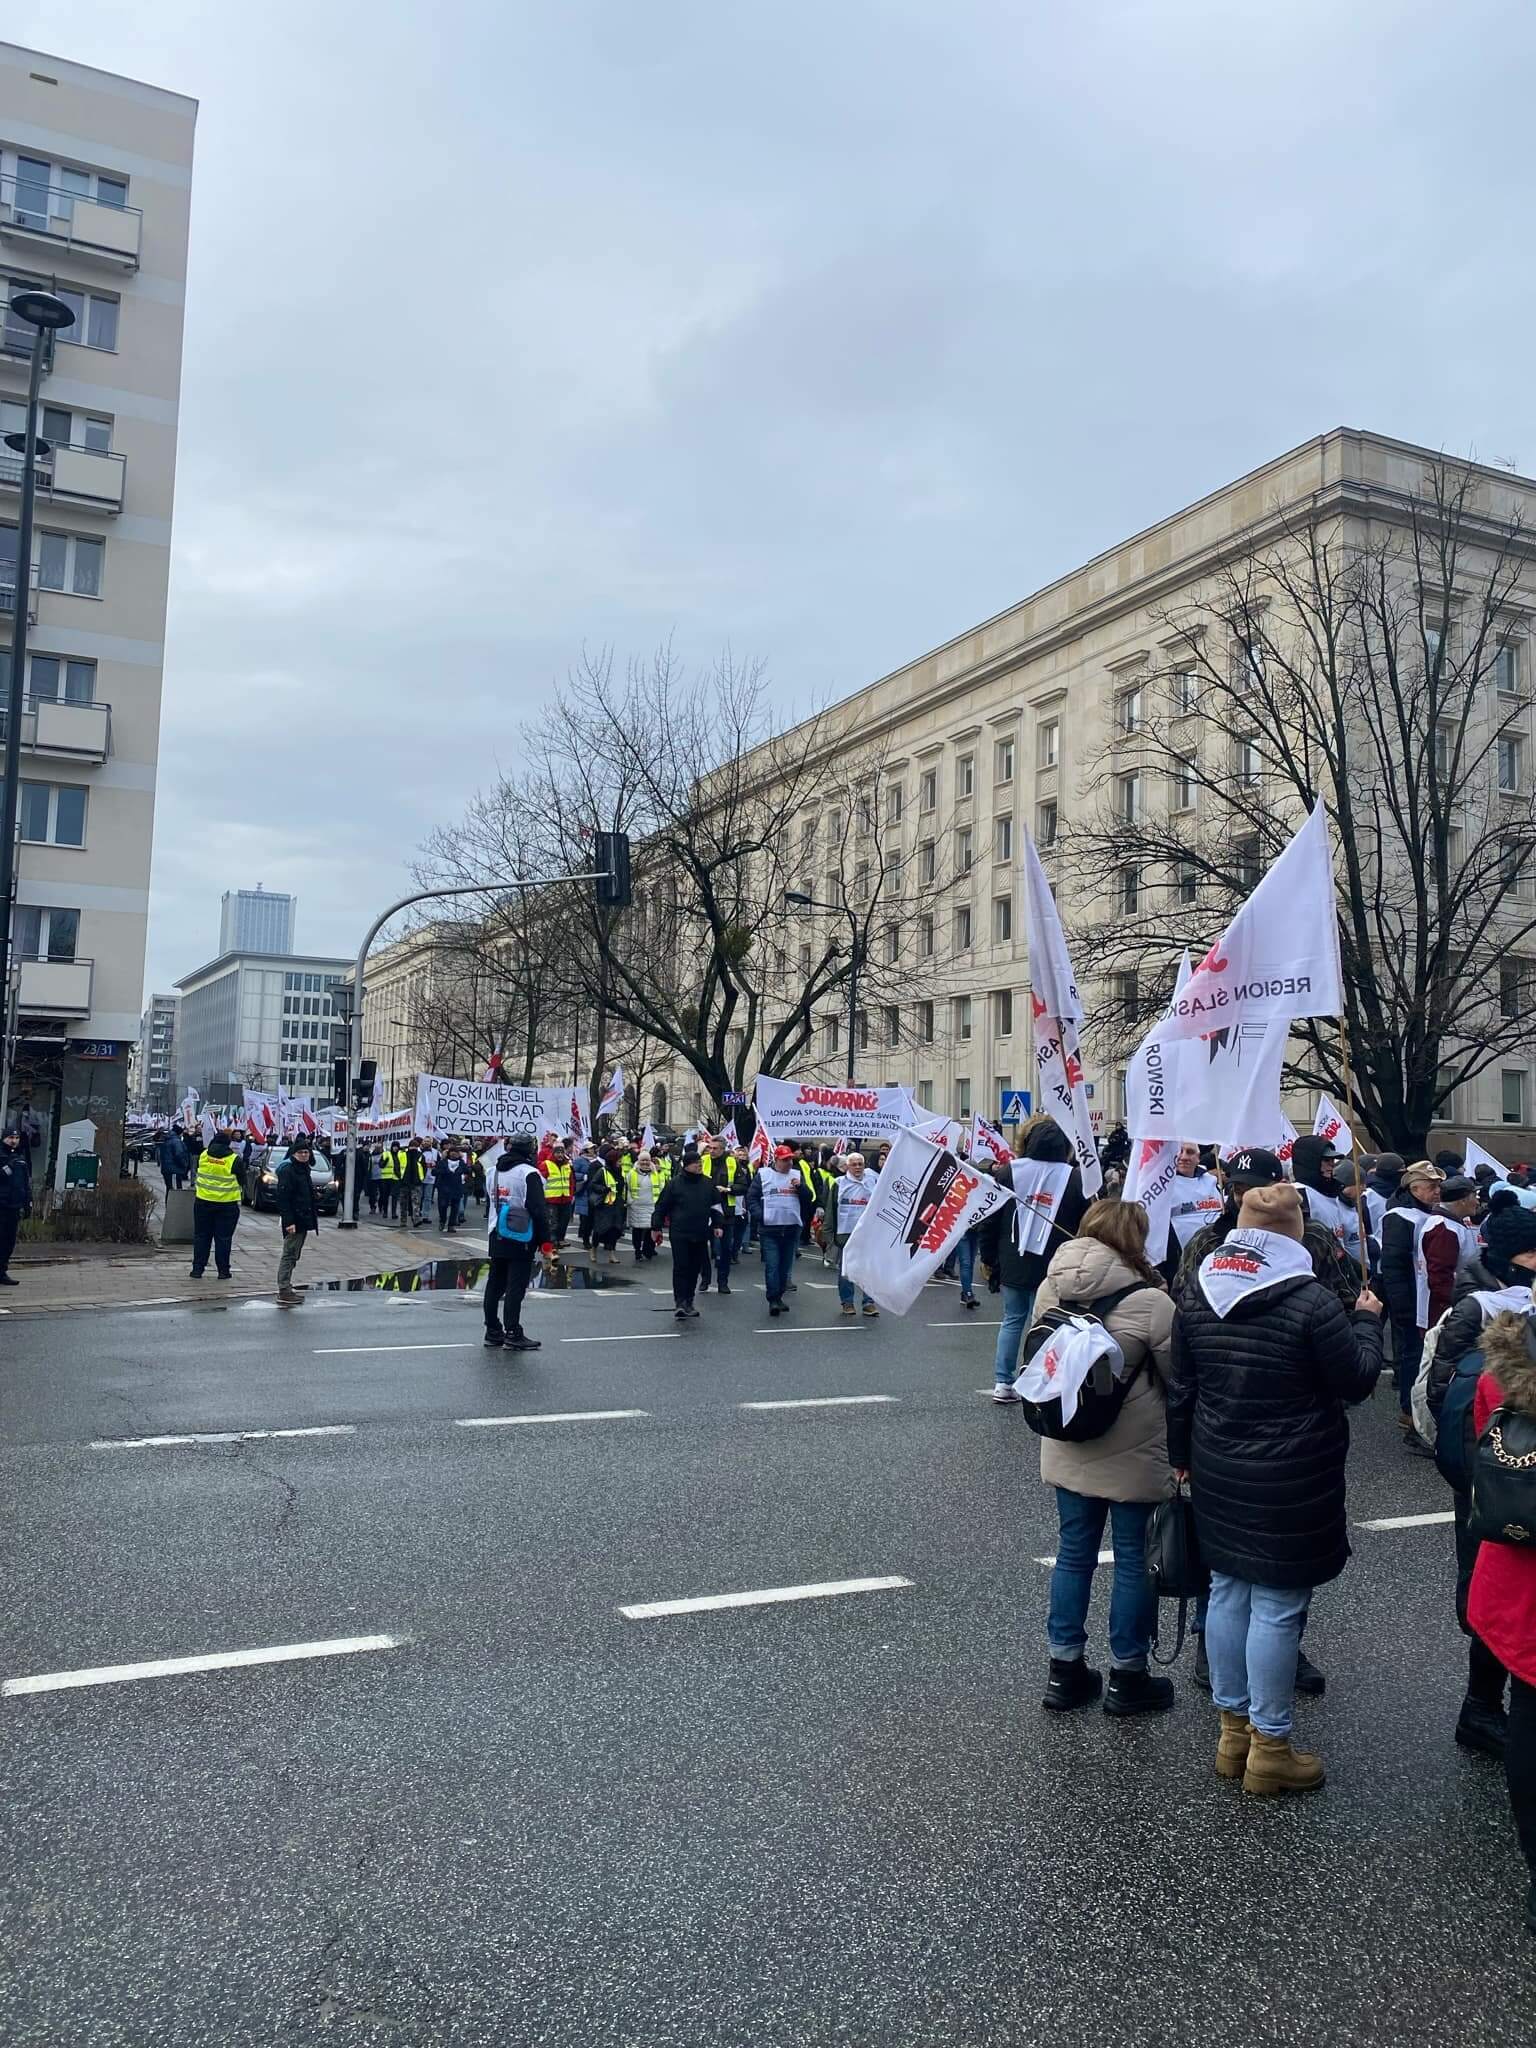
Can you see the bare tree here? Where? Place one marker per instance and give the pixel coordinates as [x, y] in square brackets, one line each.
[1365, 663]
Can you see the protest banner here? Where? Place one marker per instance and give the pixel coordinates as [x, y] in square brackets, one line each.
[612, 1103]
[372, 1130]
[488, 1109]
[1153, 1180]
[832, 1115]
[1038, 1186]
[988, 1142]
[926, 1201]
[1057, 1009]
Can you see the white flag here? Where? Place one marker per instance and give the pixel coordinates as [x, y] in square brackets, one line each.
[988, 1142]
[1223, 1089]
[925, 1202]
[209, 1128]
[1329, 1124]
[648, 1138]
[1153, 1180]
[1477, 1157]
[1038, 1186]
[613, 1094]
[1278, 958]
[1058, 1011]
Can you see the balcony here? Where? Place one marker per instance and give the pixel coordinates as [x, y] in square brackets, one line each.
[8, 594]
[55, 988]
[69, 732]
[16, 343]
[70, 475]
[41, 216]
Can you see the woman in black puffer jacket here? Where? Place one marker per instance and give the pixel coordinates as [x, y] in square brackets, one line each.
[1264, 1360]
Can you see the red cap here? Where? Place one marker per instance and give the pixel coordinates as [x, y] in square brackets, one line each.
[782, 1152]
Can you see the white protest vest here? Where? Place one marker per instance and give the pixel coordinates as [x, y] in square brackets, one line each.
[1197, 1200]
[781, 1198]
[1471, 1242]
[1422, 1225]
[1249, 1261]
[1375, 1209]
[1335, 1216]
[852, 1199]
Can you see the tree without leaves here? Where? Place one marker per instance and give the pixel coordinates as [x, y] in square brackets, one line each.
[1362, 659]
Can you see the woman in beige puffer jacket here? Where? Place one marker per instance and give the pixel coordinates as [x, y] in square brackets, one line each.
[1116, 1478]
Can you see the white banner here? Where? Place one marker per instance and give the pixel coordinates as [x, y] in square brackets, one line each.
[1329, 1124]
[1278, 958]
[488, 1109]
[832, 1115]
[1220, 1090]
[1153, 1180]
[988, 1142]
[372, 1130]
[1476, 1157]
[926, 1201]
[1058, 1011]
[1038, 1186]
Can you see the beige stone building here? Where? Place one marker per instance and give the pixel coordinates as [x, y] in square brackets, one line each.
[1006, 726]
[95, 187]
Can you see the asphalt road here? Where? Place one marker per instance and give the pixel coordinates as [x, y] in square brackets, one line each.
[532, 1819]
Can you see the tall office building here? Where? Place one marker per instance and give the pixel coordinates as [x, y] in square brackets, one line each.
[257, 1020]
[256, 921]
[157, 1055]
[95, 185]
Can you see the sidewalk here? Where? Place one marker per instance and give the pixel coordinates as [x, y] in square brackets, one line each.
[124, 1276]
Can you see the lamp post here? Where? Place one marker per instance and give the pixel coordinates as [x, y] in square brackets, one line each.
[845, 909]
[44, 314]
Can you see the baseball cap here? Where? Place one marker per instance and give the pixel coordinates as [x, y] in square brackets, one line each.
[782, 1152]
[1255, 1166]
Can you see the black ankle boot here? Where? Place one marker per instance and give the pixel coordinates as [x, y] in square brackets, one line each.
[1138, 1692]
[1482, 1726]
[1072, 1683]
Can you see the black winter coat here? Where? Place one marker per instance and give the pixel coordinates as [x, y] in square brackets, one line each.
[1256, 1416]
[296, 1197]
[691, 1206]
[1399, 1288]
[1461, 1329]
[1028, 1269]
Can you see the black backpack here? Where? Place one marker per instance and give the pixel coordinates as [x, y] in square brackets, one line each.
[1102, 1394]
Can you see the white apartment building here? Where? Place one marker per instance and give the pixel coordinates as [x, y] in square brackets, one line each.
[95, 187]
[156, 1067]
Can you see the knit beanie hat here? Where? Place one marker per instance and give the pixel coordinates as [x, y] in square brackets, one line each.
[1276, 1208]
[1510, 1228]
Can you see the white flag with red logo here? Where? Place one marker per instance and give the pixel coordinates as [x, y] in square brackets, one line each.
[578, 1120]
[1153, 1180]
[1058, 1011]
[988, 1142]
[1329, 1124]
[1278, 958]
[1222, 1089]
[493, 1066]
[925, 1202]
[760, 1151]
[613, 1094]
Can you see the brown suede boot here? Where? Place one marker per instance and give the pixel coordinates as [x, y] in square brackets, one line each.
[1232, 1746]
[1273, 1766]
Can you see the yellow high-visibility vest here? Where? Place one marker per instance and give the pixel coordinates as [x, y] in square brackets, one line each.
[216, 1179]
[557, 1181]
[709, 1162]
[387, 1167]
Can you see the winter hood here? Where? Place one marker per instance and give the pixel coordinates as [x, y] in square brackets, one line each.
[1507, 1342]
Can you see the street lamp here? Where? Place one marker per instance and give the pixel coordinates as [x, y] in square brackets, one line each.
[800, 901]
[44, 314]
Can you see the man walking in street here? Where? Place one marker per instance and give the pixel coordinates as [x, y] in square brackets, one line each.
[173, 1160]
[450, 1182]
[296, 1211]
[719, 1167]
[215, 1207]
[412, 1174]
[519, 1225]
[559, 1191]
[692, 1207]
[391, 1160]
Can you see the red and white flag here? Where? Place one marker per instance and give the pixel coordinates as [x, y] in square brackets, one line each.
[1329, 1124]
[578, 1119]
[988, 1142]
[1153, 1180]
[493, 1066]
[924, 1202]
[613, 1095]
[1058, 1013]
[760, 1151]
[1278, 958]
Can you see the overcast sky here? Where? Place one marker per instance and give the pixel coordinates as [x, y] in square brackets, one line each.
[826, 330]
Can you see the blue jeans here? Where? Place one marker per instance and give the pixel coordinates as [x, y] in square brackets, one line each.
[450, 1210]
[1132, 1603]
[1018, 1310]
[845, 1288]
[1252, 1637]
[780, 1243]
[965, 1253]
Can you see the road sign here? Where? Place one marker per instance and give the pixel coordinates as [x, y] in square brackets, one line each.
[731, 1100]
[1015, 1106]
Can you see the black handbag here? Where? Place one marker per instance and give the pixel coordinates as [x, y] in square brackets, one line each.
[1504, 1481]
[1174, 1564]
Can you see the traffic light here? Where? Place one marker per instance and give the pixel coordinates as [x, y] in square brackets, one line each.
[362, 1087]
[611, 850]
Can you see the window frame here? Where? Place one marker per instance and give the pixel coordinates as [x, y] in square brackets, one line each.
[1048, 744]
[1004, 761]
[1002, 920]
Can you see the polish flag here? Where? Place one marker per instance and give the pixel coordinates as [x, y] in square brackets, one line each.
[493, 1067]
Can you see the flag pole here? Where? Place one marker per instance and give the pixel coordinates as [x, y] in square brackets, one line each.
[1361, 1212]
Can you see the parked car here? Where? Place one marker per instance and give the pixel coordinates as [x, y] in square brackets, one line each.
[263, 1188]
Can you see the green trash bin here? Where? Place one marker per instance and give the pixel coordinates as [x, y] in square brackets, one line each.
[82, 1169]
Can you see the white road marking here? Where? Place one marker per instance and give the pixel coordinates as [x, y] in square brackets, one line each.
[1407, 1521]
[648, 1610]
[216, 1436]
[578, 1415]
[815, 1329]
[1105, 1557]
[972, 1323]
[625, 1337]
[218, 1660]
[826, 1401]
[364, 1350]
[823, 1286]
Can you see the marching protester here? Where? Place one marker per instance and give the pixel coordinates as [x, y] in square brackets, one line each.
[1251, 1168]
[605, 1199]
[1020, 1272]
[719, 1166]
[215, 1207]
[173, 1159]
[851, 1193]
[391, 1166]
[519, 1227]
[1323, 1201]
[296, 1211]
[412, 1173]
[1265, 1360]
[581, 1205]
[15, 1197]
[1197, 1200]
[559, 1191]
[645, 1183]
[1118, 1476]
[782, 1197]
[1383, 1181]
[1418, 1274]
[692, 1208]
[450, 1183]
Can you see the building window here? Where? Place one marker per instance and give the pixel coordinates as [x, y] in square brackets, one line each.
[963, 1019]
[1002, 837]
[1249, 762]
[1045, 823]
[1515, 982]
[1004, 761]
[833, 1034]
[925, 938]
[1128, 707]
[962, 927]
[46, 934]
[866, 812]
[1513, 860]
[1246, 852]
[965, 775]
[1509, 764]
[1129, 889]
[925, 1023]
[1434, 640]
[807, 838]
[1002, 1013]
[893, 802]
[1048, 743]
[892, 1025]
[928, 790]
[1512, 1087]
[1002, 920]
[46, 191]
[1124, 995]
[51, 678]
[1506, 669]
[927, 862]
[95, 318]
[892, 946]
[1182, 783]
[53, 813]
[70, 561]
[863, 1025]
[1186, 692]
[805, 963]
[965, 850]
[861, 882]
[1187, 882]
[962, 1098]
[1128, 798]
[925, 1095]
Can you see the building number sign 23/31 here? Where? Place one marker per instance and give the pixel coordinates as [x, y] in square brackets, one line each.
[93, 1048]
